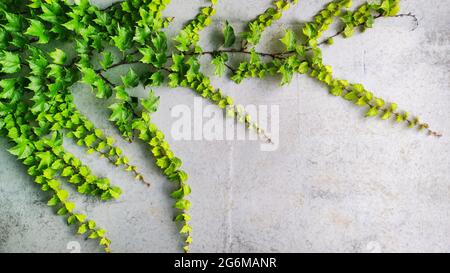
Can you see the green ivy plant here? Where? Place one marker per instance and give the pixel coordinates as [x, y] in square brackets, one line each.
[36, 104]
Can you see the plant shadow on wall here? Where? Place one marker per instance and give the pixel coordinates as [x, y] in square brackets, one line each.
[37, 109]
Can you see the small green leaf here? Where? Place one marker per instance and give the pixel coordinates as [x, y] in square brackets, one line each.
[289, 40]
[183, 204]
[229, 36]
[53, 201]
[62, 195]
[91, 224]
[131, 79]
[10, 62]
[58, 56]
[372, 112]
[69, 206]
[151, 103]
[82, 229]
[107, 60]
[37, 29]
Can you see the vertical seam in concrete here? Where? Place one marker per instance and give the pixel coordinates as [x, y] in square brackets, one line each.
[229, 209]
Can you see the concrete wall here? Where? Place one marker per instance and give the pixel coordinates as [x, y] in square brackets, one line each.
[338, 181]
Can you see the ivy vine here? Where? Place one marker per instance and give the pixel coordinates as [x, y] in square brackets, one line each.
[36, 104]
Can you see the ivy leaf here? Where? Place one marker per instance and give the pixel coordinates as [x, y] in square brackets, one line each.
[107, 60]
[119, 113]
[67, 171]
[37, 29]
[80, 217]
[53, 201]
[303, 68]
[229, 36]
[123, 39]
[50, 12]
[348, 31]
[219, 64]
[23, 149]
[372, 112]
[89, 75]
[69, 206]
[115, 192]
[183, 204]
[46, 159]
[62, 195]
[151, 103]
[103, 89]
[289, 40]
[148, 55]
[8, 86]
[14, 22]
[82, 229]
[156, 79]
[131, 79]
[89, 140]
[58, 56]
[10, 62]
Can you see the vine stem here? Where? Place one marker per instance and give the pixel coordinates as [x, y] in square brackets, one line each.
[136, 173]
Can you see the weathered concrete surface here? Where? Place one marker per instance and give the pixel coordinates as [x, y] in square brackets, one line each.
[338, 182]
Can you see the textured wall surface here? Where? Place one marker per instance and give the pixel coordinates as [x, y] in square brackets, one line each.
[338, 181]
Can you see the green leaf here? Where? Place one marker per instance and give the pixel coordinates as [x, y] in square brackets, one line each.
[71, 220]
[69, 206]
[14, 22]
[62, 211]
[23, 149]
[219, 64]
[372, 112]
[46, 159]
[53, 201]
[37, 29]
[10, 62]
[289, 40]
[58, 56]
[151, 103]
[123, 39]
[182, 217]
[186, 229]
[103, 89]
[229, 35]
[89, 140]
[62, 195]
[386, 115]
[82, 229]
[115, 192]
[119, 113]
[303, 68]
[50, 13]
[104, 242]
[156, 78]
[183, 204]
[91, 224]
[348, 31]
[89, 75]
[148, 55]
[107, 60]
[131, 79]
[80, 217]
[68, 171]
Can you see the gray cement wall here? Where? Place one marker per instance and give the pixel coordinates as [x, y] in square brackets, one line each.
[338, 182]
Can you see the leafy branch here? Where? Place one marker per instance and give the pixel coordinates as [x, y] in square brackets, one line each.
[37, 110]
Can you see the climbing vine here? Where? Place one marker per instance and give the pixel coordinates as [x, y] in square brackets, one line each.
[36, 104]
